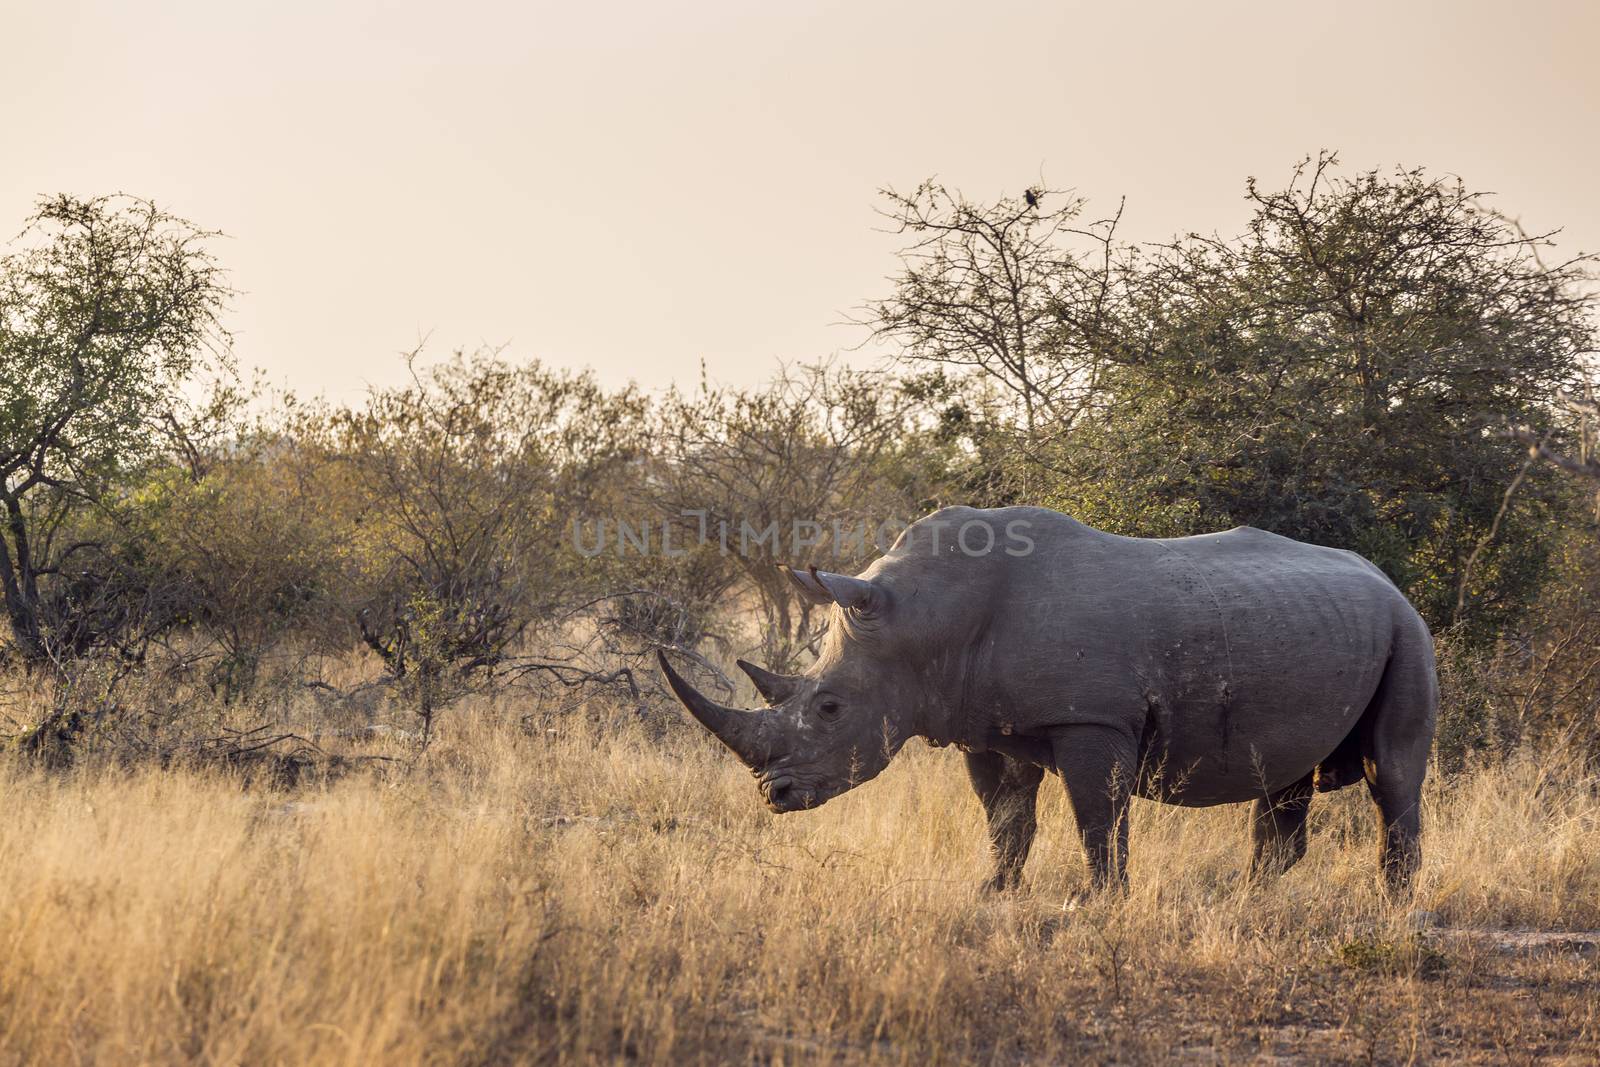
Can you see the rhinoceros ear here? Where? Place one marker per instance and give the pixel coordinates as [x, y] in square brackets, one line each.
[809, 587]
[774, 688]
[860, 595]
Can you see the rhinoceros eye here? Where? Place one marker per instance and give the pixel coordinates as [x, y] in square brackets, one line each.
[829, 709]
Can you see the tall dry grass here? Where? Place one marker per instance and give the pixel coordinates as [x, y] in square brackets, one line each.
[586, 893]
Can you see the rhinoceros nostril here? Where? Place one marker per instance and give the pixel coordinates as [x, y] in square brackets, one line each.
[777, 789]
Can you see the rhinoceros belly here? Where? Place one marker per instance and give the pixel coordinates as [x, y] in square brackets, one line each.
[1261, 658]
[1239, 660]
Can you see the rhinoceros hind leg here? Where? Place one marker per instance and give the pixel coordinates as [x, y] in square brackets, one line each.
[1396, 742]
[1099, 766]
[1009, 790]
[1278, 822]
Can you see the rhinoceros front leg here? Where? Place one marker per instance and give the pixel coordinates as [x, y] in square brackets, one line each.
[1097, 763]
[1009, 790]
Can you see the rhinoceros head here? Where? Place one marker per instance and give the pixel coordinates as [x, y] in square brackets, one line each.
[829, 729]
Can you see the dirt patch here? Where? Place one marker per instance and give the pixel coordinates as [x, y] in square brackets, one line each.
[1582, 943]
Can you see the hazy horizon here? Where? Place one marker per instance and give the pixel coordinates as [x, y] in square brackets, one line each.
[642, 189]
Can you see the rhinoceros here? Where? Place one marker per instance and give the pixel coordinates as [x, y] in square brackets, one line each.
[1214, 669]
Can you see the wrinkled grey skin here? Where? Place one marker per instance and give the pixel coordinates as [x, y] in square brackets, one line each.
[1222, 668]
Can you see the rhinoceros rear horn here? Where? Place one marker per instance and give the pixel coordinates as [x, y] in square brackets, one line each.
[860, 595]
[733, 727]
[809, 587]
[775, 688]
[824, 587]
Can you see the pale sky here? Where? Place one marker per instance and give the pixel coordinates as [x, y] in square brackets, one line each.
[639, 187]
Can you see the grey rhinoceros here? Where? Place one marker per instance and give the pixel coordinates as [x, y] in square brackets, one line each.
[1221, 668]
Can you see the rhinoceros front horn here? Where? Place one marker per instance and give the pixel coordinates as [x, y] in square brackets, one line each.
[733, 727]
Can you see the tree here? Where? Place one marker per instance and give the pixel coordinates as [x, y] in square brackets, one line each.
[808, 468]
[464, 483]
[999, 290]
[108, 311]
[1338, 375]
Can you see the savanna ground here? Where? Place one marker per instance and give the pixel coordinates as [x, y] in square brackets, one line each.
[593, 884]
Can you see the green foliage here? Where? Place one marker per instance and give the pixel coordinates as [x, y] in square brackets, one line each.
[1388, 956]
[1537, 684]
[257, 536]
[1337, 375]
[1334, 376]
[110, 308]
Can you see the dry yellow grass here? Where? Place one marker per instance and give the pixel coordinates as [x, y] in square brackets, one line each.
[590, 894]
